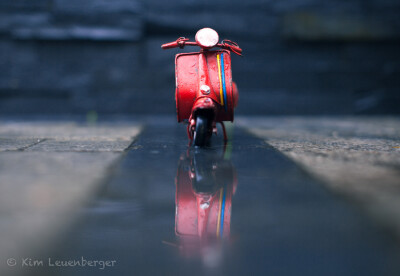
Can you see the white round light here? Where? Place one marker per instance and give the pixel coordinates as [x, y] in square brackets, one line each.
[207, 38]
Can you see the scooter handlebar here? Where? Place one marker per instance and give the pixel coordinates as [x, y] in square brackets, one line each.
[170, 45]
[182, 42]
[236, 50]
[231, 46]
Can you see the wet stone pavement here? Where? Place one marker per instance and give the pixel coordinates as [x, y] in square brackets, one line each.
[133, 199]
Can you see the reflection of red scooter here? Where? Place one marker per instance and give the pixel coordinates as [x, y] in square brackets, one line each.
[205, 93]
[205, 184]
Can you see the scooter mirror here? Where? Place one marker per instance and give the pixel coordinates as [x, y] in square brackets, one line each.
[207, 38]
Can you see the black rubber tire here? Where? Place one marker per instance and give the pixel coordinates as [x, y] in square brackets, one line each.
[201, 135]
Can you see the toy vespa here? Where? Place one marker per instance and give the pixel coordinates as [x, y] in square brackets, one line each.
[205, 93]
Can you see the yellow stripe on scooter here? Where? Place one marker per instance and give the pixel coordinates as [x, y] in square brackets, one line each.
[220, 80]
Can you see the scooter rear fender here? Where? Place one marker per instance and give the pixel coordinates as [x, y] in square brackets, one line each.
[205, 105]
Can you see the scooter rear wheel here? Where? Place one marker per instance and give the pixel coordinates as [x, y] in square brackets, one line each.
[202, 133]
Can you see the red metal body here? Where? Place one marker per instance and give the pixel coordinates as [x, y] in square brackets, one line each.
[196, 69]
[204, 83]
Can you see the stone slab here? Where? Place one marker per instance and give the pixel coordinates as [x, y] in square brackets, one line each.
[356, 157]
[39, 194]
[7, 144]
[48, 170]
[68, 131]
[80, 146]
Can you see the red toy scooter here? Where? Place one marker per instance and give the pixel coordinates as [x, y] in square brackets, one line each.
[205, 93]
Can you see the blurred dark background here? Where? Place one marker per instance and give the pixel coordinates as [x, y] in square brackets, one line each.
[300, 56]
